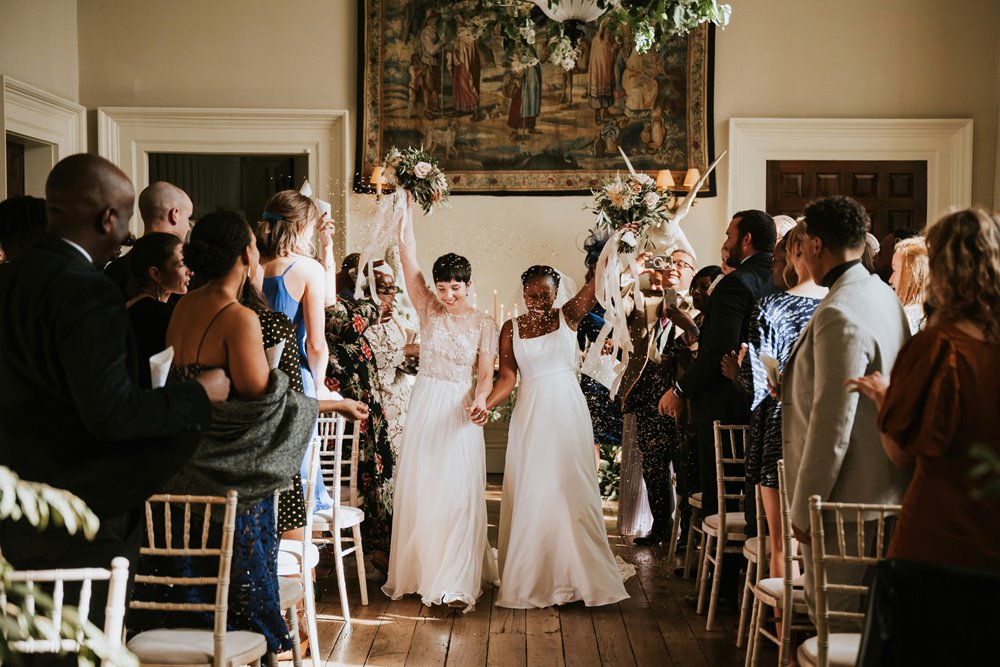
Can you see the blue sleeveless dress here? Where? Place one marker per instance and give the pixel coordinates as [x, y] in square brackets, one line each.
[281, 301]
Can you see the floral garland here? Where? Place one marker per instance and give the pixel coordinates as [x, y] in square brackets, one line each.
[417, 171]
[649, 23]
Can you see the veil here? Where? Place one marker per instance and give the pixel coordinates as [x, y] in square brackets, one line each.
[567, 290]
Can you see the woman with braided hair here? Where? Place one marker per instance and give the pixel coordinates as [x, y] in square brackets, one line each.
[553, 546]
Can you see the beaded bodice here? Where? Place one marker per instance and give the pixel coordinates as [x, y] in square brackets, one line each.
[450, 344]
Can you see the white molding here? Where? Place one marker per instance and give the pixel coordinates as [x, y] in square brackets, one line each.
[946, 145]
[42, 117]
[127, 135]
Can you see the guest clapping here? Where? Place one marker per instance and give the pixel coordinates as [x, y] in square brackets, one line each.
[943, 399]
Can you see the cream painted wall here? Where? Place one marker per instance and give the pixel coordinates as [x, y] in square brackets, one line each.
[38, 45]
[852, 58]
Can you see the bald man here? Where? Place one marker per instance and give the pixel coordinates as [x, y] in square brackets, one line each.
[163, 207]
[71, 413]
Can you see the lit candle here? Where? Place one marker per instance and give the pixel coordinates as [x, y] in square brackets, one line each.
[495, 306]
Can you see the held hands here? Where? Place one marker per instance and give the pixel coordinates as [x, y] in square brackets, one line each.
[478, 414]
[215, 383]
[873, 386]
[412, 350]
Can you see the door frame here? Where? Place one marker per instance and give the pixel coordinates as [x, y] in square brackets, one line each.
[53, 128]
[127, 135]
[945, 144]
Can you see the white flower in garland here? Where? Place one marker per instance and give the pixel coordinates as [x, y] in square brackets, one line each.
[527, 32]
[562, 53]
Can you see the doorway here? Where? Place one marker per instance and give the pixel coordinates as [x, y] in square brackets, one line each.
[241, 183]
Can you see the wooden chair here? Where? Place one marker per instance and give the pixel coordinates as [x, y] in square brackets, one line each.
[724, 532]
[345, 475]
[840, 648]
[217, 647]
[694, 529]
[756, 565]
[295, 571]
[328, 524]
[785, 593]
[50, 627]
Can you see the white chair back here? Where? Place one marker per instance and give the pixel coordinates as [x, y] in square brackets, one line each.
[822, 514]
[730, 464]
[48, 622]
[340, 474]
[192, 545]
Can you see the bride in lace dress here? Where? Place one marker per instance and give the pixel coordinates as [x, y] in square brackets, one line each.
[439, 545]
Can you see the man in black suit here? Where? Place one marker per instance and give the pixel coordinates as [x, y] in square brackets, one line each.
[748, 248]
[71, 413]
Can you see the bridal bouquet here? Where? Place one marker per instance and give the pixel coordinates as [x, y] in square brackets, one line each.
[631, 199]
[416, 171]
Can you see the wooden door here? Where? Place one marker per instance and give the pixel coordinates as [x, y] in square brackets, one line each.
[15, 169]
[894, 192]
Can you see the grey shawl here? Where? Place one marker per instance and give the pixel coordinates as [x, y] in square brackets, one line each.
[254, 447]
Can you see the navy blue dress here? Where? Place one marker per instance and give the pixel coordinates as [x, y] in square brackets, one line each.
[775, 324]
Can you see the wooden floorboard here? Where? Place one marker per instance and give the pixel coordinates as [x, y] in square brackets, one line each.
[654, 627]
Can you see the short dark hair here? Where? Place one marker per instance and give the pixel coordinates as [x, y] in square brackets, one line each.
[452, 267]
[153, 249]
[760, 226]
[840, 222]
[539, 271]
[217, 241]
[711, 272]
[23, 221]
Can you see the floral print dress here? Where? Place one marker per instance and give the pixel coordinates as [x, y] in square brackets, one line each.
[353, 373]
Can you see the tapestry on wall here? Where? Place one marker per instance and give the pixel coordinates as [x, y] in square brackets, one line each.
[524, 124]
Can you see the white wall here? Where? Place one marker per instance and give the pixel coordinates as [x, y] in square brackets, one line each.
[850, 58]
[38, 45]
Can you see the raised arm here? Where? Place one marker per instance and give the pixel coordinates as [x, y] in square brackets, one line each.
[577, 308]
[416, 285]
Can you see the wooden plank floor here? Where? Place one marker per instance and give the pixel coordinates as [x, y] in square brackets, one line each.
[653, 627]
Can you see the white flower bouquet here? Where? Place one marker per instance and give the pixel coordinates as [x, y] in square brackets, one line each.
[416, 171]
[630, 199]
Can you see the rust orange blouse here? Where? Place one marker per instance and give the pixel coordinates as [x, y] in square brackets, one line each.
[944, 397]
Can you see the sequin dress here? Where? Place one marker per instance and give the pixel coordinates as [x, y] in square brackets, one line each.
[439, 544]
[775, 324]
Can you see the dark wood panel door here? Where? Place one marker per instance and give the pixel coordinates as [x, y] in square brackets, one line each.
[15, 169]
[894, 192]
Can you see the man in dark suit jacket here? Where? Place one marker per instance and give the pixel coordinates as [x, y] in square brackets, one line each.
[748, 248]
[71, 413]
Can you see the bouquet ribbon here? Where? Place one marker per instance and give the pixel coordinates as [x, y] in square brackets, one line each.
[383, 233]
[608, 290]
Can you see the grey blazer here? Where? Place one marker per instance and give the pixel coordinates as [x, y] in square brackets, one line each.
[830, 438]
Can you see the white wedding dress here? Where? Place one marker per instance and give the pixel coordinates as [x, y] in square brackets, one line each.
[553, 543]
[439, 546]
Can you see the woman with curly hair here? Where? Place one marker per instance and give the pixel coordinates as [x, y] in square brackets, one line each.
[909, 279]
[943, 399]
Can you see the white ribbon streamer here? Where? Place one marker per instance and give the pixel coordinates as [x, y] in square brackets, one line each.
[383, 233]
[608, 290]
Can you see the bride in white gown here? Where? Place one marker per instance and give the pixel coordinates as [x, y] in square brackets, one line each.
[553, 543]
[439, 545]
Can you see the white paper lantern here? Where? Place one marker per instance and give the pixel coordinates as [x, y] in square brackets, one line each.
[571, 10]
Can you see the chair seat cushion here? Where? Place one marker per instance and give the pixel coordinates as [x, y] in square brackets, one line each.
[735, 525]
[694, 500]
[346, 517]
[751, 546]
[844, 647]
[195, 647]
[290, 557]
[772, 591]
[290, 591]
